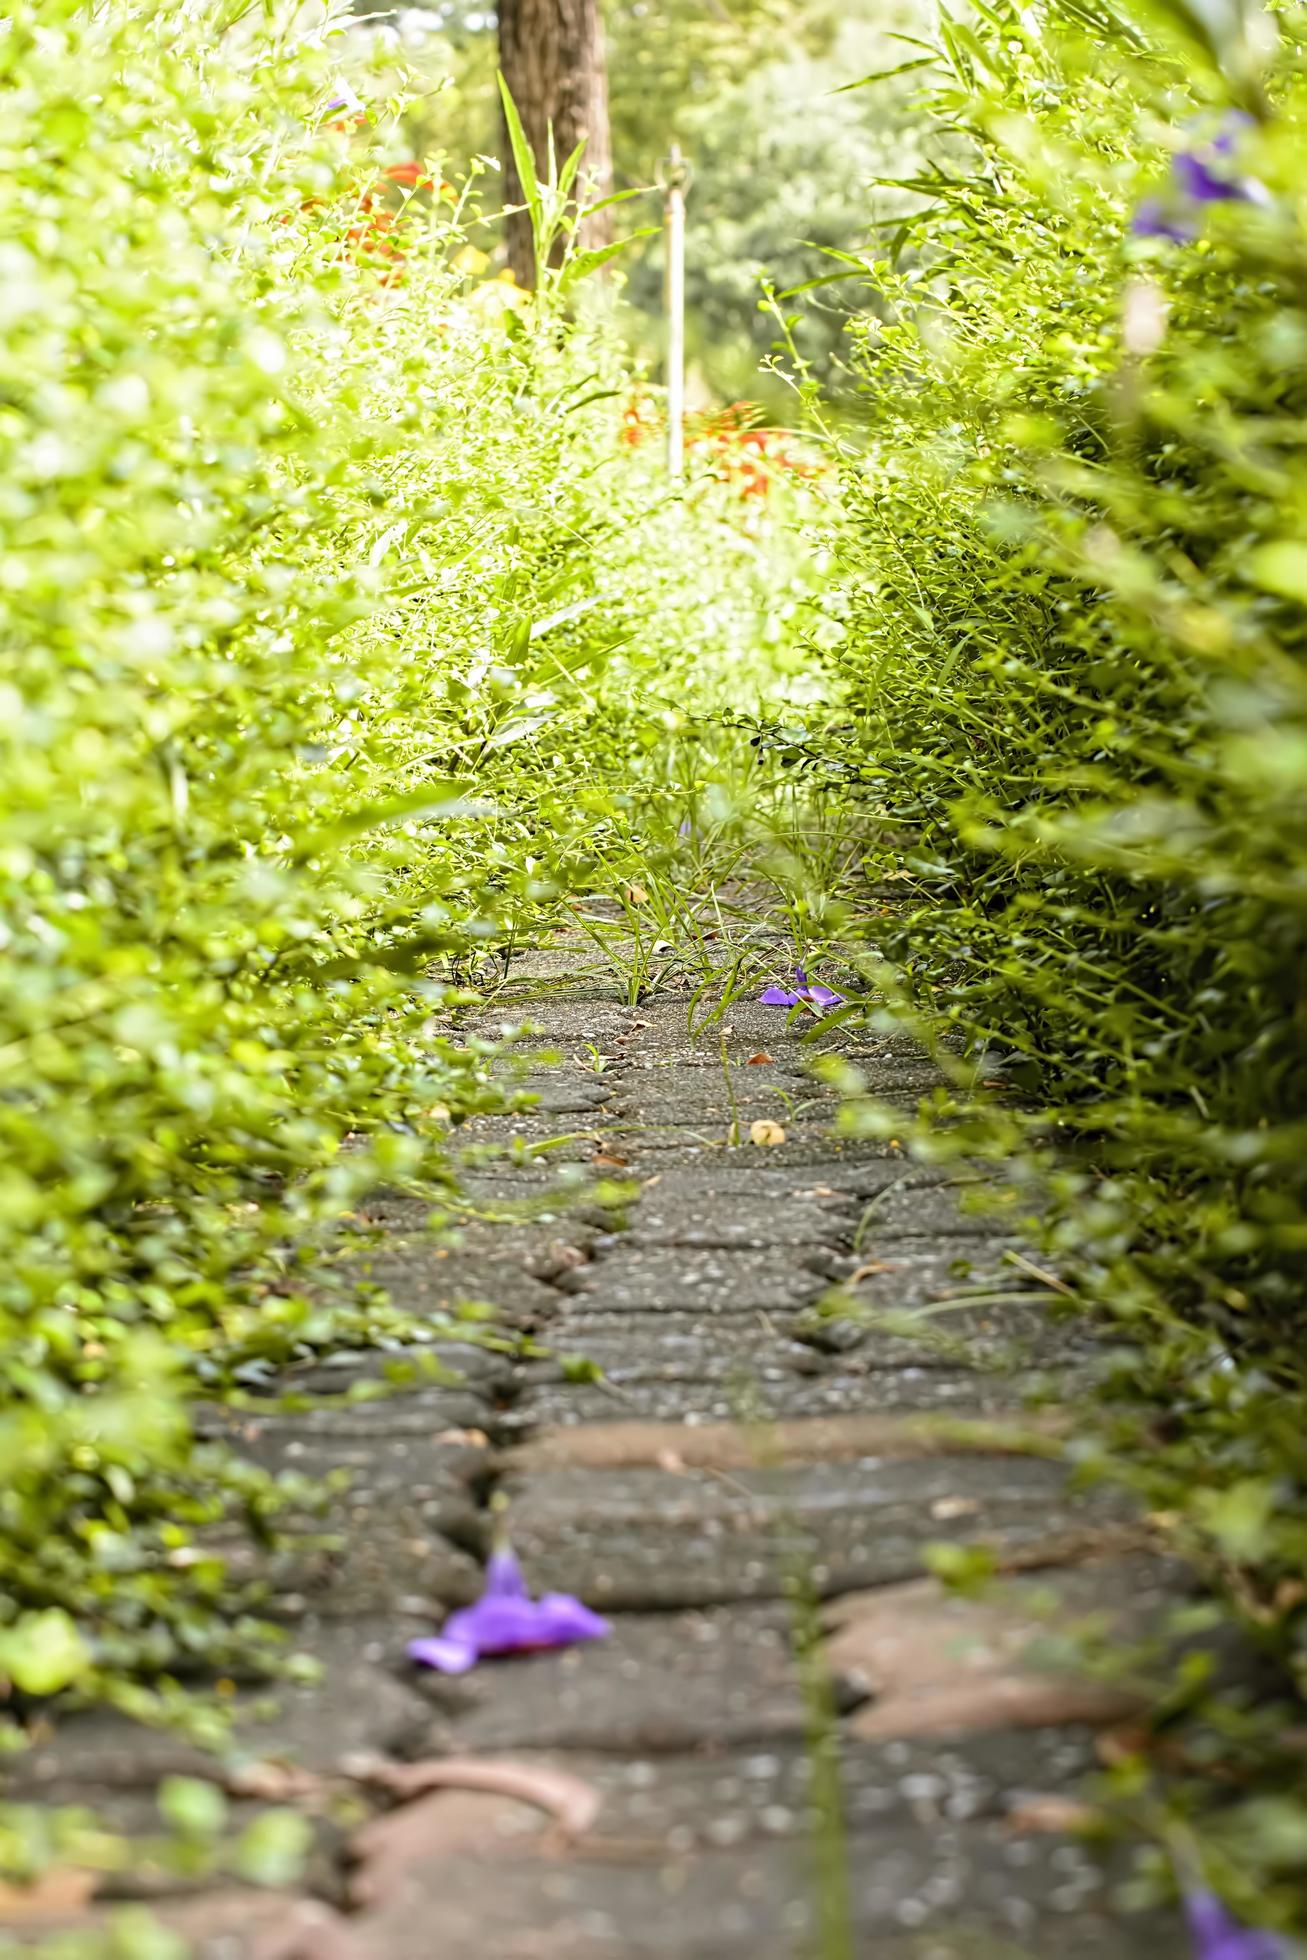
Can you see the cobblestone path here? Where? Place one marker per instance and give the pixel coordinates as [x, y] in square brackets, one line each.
[747, 1491]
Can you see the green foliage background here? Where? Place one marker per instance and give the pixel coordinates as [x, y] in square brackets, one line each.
[337, 649]
[1071, 760]
[783, 163]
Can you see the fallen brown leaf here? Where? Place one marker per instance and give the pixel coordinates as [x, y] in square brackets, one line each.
[572, 1803]
[1059, 1816]
[761, 1056]
[954, 1507]
[56, 1893]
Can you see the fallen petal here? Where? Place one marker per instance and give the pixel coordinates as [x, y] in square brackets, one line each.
[506, 1620]
[823, 996]
[504, 1576]
[780, 997]
[448, 1656]
[1217, 1936]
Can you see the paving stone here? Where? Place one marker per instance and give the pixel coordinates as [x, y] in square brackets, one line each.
[420, 1283]
[382, 1557]
[711, 1116]
[959, 1892]
[644, 1279]
[947, 1212]
[634, 1349]
[407, 1412]
[660, 1539]
[457, 1364]
[681, 1801]
[433, 1480]
[937, 1664]
[809, 1145]
[914, 1272]
[823, 1439]
[1011, 1335]
[662, 1683]
[673, 1219]
[773, 1394]
[759, 1175]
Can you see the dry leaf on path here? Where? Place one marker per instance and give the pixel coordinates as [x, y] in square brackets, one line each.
[1057, 1815]
[572, 1803]
[62, 1890]
[760, 1057]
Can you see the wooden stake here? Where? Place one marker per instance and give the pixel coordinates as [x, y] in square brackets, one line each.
[675, 229]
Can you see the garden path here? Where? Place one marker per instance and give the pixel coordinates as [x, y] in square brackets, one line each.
[747, 1492]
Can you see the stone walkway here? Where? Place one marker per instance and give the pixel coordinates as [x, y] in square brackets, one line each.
[794, 1746]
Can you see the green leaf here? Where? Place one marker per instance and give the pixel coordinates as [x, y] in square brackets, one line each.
[524, 163]
[887, 74]
[1280, 567]
[191, 1807]
[273, 1848]
[43, 1652]
[580, 264]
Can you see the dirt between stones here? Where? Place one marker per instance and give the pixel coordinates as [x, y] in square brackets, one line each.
[794, 1746]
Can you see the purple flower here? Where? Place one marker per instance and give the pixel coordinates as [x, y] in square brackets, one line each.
[1200, 175]
[1217, 1936]
[1154, 219]
[805, 994]
[506, 1620]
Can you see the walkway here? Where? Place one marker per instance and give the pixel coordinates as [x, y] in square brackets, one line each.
[780, 1431]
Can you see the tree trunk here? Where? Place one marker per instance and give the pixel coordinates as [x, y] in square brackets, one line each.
[552, 56]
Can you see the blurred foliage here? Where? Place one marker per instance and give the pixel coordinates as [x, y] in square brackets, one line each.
[1069, 763]
[343, 634]
[783, 161]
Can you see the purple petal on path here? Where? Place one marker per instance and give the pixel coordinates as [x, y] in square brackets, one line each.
[1217, 1936]
[504, 1578]
[449, 1656]
[806, 993]
[506, 1620]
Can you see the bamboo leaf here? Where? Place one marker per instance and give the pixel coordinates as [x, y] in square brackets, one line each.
[524, 162]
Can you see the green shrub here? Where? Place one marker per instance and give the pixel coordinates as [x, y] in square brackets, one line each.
[327, 594]
[1075, 702]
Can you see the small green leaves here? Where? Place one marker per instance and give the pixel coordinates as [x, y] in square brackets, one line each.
[194, 1809]
[43, 1652]
[964, 1569]
[272, 1850]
